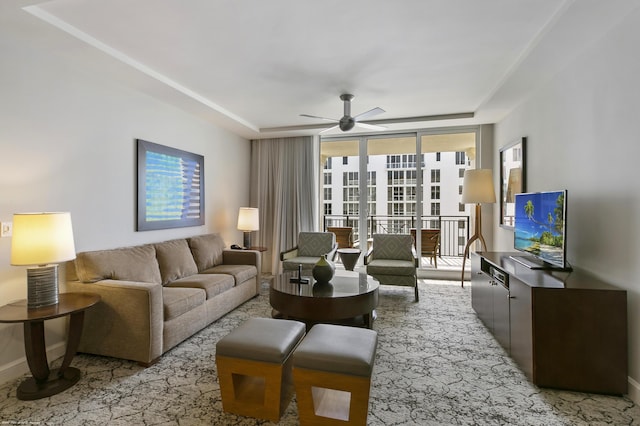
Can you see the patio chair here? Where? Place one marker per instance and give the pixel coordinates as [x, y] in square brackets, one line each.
[392, 260]
[430, 244]
[311, 246]
[344, 235]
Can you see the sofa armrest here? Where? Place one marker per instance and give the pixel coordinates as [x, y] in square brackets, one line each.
[244, 257]
[289, 254]
[127, 322]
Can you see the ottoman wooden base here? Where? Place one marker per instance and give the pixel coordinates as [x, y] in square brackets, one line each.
[256, 389]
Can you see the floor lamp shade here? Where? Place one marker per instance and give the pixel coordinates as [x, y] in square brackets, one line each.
[41, 241]
[477, 187]
[248, 221]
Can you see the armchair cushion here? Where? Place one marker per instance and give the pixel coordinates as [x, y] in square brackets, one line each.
[391, 267]
[393, 246]
[315, 243]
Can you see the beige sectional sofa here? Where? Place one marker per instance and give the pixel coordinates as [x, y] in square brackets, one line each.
[156, 295]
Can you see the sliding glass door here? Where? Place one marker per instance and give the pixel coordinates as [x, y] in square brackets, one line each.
[400, 183]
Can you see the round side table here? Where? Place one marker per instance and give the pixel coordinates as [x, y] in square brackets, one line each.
[349, 257]
[47, 382]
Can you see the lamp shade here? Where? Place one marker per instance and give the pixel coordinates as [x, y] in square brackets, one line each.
[477, 186]
[248, 219]
[42, 238]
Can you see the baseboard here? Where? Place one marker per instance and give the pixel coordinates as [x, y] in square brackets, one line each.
[19, 367]
[634, 391]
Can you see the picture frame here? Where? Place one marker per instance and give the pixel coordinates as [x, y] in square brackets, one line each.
[170, 187]
[513, 179]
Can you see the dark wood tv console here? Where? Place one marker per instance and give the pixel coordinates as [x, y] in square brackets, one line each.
[565, 330]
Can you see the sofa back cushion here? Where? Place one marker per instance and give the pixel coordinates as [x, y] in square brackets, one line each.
[175, 260]
[136, 263]
[207, 250]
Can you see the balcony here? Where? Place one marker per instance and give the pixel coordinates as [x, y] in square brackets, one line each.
[454, 233]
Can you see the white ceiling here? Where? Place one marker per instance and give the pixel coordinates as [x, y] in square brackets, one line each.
[250, 65]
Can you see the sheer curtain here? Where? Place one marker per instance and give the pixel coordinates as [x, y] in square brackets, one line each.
[284, 188]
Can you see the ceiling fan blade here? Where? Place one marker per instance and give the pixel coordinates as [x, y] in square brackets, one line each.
[368, 114]
[328, 129]
[320, 118]
[370, 126]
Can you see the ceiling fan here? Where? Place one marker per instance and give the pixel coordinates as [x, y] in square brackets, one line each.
[347, 122]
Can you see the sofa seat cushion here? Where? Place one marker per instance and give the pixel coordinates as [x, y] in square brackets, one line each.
[207, 250]
[175, 260]
[240, 273]
[391, 267]
[136, 263]
[212, 284]
[178, 301]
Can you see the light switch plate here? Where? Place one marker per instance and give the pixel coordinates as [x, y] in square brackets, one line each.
[6, 229]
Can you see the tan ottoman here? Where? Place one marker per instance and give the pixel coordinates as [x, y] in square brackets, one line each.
[332, 374]
[254, 367]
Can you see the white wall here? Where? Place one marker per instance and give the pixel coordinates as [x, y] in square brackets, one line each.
[67, 143]
[582, 135]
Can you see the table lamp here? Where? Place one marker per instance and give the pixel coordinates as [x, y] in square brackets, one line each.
[41, 241]
[477, 188]
[248, 222]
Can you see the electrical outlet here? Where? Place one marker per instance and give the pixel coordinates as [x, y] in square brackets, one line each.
[6, 229]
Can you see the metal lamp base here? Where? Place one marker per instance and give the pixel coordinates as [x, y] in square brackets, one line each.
[42, 286]
[247, 239]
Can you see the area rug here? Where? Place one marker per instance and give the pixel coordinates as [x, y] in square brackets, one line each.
[436, 365]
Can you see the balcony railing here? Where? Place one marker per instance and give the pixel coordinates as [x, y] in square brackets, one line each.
[454, 230]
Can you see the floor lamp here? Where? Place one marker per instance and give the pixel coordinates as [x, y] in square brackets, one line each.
[477, 188]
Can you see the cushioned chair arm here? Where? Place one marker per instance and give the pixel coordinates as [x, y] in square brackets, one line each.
[369, 256]
[127, 322]
[289, 254]
[334, 251]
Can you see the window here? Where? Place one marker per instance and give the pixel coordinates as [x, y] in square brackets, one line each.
[327, 209]
[461, 207]
[327, 164]
[327, 194]
[460, 158]
[350, 179]
[462, 224]
[459, 189]
[351, 194]
[438, 156]
[395, 193]
[434, 224]
[461, 173]
[327, 178]
[435, 209]
[435, 192]
[345, 160]
[435, 175]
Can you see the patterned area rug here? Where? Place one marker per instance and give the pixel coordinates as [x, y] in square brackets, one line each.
[436, 365]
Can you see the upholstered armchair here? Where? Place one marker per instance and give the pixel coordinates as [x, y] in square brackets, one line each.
[392, 260]
[311, 246]
[430, 244]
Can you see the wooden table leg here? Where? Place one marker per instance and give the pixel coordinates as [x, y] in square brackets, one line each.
[45, 382]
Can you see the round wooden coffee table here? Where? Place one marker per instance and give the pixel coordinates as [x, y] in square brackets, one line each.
[348, 295]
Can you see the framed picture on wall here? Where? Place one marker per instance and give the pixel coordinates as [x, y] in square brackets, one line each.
[513, 179]
[170, 187]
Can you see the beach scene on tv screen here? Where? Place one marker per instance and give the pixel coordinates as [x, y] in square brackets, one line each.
[539, 225]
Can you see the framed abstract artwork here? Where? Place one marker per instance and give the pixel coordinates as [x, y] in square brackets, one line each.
[170, 187]
[513, 179]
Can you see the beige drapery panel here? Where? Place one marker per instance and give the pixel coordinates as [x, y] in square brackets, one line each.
[283, 187]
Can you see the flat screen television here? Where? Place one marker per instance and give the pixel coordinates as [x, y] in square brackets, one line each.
[540, 229]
